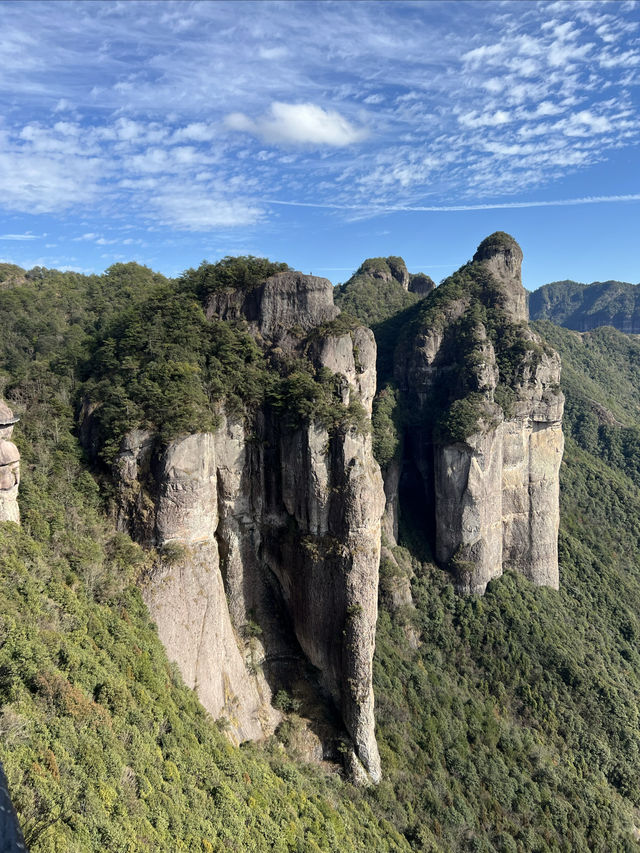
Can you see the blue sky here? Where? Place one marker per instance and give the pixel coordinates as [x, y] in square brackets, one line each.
[321, 133]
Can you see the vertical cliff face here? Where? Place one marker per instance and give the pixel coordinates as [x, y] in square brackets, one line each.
[268, 530]
[488, 443]
[174, 498]
[501, 256]
[321, 530]
[268, 533]
[9, 467]
[284, 300]
[468, 500]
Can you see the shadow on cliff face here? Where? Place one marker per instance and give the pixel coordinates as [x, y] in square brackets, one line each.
[312, 728]
[294, 560]
[417, 503]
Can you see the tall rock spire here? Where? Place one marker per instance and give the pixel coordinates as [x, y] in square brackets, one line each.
[487, 437]
[500, 254]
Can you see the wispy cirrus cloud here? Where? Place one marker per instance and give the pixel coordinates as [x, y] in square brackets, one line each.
[453, 208]
[379, 104]
[20, 237]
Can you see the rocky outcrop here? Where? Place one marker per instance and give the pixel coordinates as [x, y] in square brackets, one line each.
[9, 467]
[353, 356]
[394, 269]
[268, 531]
[11, 837]
[421, 284]
[490, 444]
[174, 498]
[391, 516]
[468, 500]
[285, 301]
[322, 542]
[386, 269]
[269, 536]
[501, 256]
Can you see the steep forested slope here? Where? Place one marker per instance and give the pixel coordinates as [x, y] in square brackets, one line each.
[103, 746]
[505, 723]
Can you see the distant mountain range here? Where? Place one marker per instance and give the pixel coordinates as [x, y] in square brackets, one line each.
[586, 306]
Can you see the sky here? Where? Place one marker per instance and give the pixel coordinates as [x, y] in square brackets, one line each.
[321, 133]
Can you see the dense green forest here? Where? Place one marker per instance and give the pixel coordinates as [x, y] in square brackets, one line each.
[588, 306]
[505, 723]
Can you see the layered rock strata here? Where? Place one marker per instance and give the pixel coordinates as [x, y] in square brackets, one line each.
[490, 441]
[269, 541]
[9, 467]
[285, 300]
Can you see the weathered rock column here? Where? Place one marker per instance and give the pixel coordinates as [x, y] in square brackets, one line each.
[468, 490]
[495, 502]
[185, 593]
[9, 467]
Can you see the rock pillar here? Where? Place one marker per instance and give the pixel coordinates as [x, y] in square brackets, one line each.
[9, 467]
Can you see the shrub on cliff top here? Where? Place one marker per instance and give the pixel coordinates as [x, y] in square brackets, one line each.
[498, 241]
[231, 273]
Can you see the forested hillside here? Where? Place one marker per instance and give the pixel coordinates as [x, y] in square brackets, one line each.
[505, 723]
[587, 306]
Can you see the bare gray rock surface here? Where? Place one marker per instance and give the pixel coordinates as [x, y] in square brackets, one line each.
[269, 543]
[9, 467]
[493, 494]
[284, 301]
[185, 593]
[11, 837]
[502, 257]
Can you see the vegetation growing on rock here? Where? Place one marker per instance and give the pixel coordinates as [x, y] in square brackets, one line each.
[160, 364]
[507, 723]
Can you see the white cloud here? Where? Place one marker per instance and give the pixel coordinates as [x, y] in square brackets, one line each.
[35, 183]
[200, 213]
[20, 237]
[274, 53]
[624, 59]
[546, 108]
[485, 54]
[584, 123]
[112, 111]
[151, 160]
[299, 124]
[194, 132]
[128, 130]
[495, 85]
[495, 119]
[562, 32]
[452, 208]
[561, 54]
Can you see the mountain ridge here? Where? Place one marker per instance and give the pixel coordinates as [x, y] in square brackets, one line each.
[583, 307]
